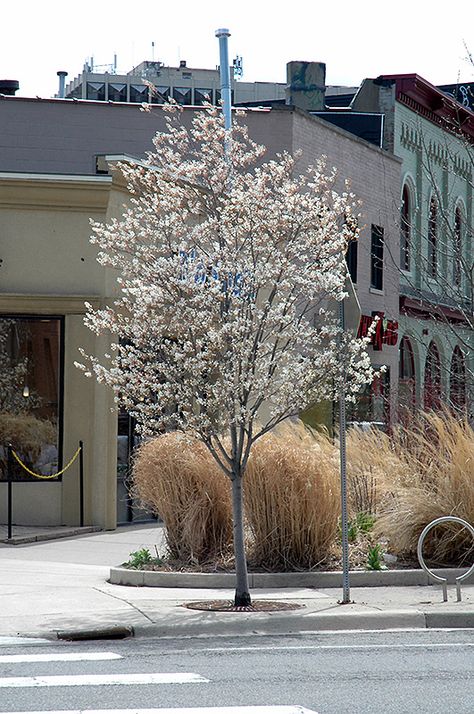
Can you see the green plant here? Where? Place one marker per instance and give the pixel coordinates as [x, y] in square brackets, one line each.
[374, 558]
[352, 531]
[139, 558]
[365, 522]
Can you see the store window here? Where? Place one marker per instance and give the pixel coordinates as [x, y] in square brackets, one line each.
[457, 381]
[372, 403]
[30, 393]
[432, 385]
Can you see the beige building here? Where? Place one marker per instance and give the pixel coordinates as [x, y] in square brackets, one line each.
[55, 174]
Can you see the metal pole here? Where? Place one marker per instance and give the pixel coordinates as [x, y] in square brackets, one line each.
[223, 34]
[9, 478]
[81, 483]
[346, 593]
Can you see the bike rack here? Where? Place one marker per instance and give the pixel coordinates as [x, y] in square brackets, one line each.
[438, 578]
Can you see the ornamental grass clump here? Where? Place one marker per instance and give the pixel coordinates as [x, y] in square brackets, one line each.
[177, 477]
[440, 452]
[292, 499]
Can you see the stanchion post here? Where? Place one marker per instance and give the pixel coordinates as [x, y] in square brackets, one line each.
[9, 479]
[81, 482]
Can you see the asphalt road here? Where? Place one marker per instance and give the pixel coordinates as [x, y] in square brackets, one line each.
[329, 673]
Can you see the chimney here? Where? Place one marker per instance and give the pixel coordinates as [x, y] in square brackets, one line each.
[8, 87]
[62, 80]
[306, 85]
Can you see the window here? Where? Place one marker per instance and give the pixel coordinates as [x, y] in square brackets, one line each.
[30, 392]
[376, 258]
[432, 239]
[160, 94]
[405, 230]
[457, 381]
[138, 93]
[117, 92]
[96, 90]
[182, 95]
[457, 247]
[351, 260]
[432, 396]
[202, 95]
[406, 376]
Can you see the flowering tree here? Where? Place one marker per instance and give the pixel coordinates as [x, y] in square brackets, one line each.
[226, 266]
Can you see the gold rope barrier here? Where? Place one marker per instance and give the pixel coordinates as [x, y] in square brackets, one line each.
[44, 476]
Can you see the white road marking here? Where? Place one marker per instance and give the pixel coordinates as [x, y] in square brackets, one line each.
[8, 641]
[194, 710]
[61, 657]
[90, 680]
[284, 648]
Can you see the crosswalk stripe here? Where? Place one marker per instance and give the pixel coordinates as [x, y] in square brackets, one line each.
[8, 641]
[194, 710]
[61, 657]
[88, 680]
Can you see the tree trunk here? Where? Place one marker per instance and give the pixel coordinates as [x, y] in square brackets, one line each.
[242, 595]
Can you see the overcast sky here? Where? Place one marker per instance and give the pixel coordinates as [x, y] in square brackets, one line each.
[355, 39]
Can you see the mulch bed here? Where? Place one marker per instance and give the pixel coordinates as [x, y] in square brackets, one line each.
[255, 606]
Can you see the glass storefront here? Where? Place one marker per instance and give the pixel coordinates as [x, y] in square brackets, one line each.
[31, 393]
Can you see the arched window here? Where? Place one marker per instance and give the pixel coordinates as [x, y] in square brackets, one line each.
[457, 247]
[405, 229]
[457, 381]
[432, 238]
[406, 375]
[432, 395]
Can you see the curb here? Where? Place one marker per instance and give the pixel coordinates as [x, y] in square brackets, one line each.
[50, 535]
[361, 579]
[111, 632]
[286, 624]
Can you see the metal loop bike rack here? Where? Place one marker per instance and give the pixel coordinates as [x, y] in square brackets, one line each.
[433, 576]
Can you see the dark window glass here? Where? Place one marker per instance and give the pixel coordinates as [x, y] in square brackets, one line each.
[117, 92]
[406, 376]
[138, 93]
[96, 90]
[457, 247]
[202, 95]
[432, 239]
[351, 260]
[30, 379]
[376, 258]
[405, 230]
[457, 381]
[182, 95]
[160, 94]
[432, 396]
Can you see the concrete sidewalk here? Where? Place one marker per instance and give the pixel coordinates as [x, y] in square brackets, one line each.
[62, 584]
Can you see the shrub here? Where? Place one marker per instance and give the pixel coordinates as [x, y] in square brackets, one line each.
[178, 478]
[292, 498]
[440, 452]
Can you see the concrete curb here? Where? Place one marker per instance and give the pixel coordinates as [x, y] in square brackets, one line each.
[360, 579]
[50, 535]
[301, 622]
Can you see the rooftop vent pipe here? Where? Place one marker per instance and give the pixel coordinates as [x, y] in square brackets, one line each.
[9, 87]
[62, 80]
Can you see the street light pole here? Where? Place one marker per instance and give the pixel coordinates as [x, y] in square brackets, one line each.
[223, 33]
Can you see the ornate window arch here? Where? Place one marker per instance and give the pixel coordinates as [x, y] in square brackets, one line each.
[433, 238]
[457, 381]
[432, 384]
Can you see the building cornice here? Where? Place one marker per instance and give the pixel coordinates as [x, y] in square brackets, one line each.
[430, 102]
[16, 304]
[54, 191]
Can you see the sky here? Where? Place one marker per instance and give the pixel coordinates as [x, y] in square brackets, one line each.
[355, 39]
